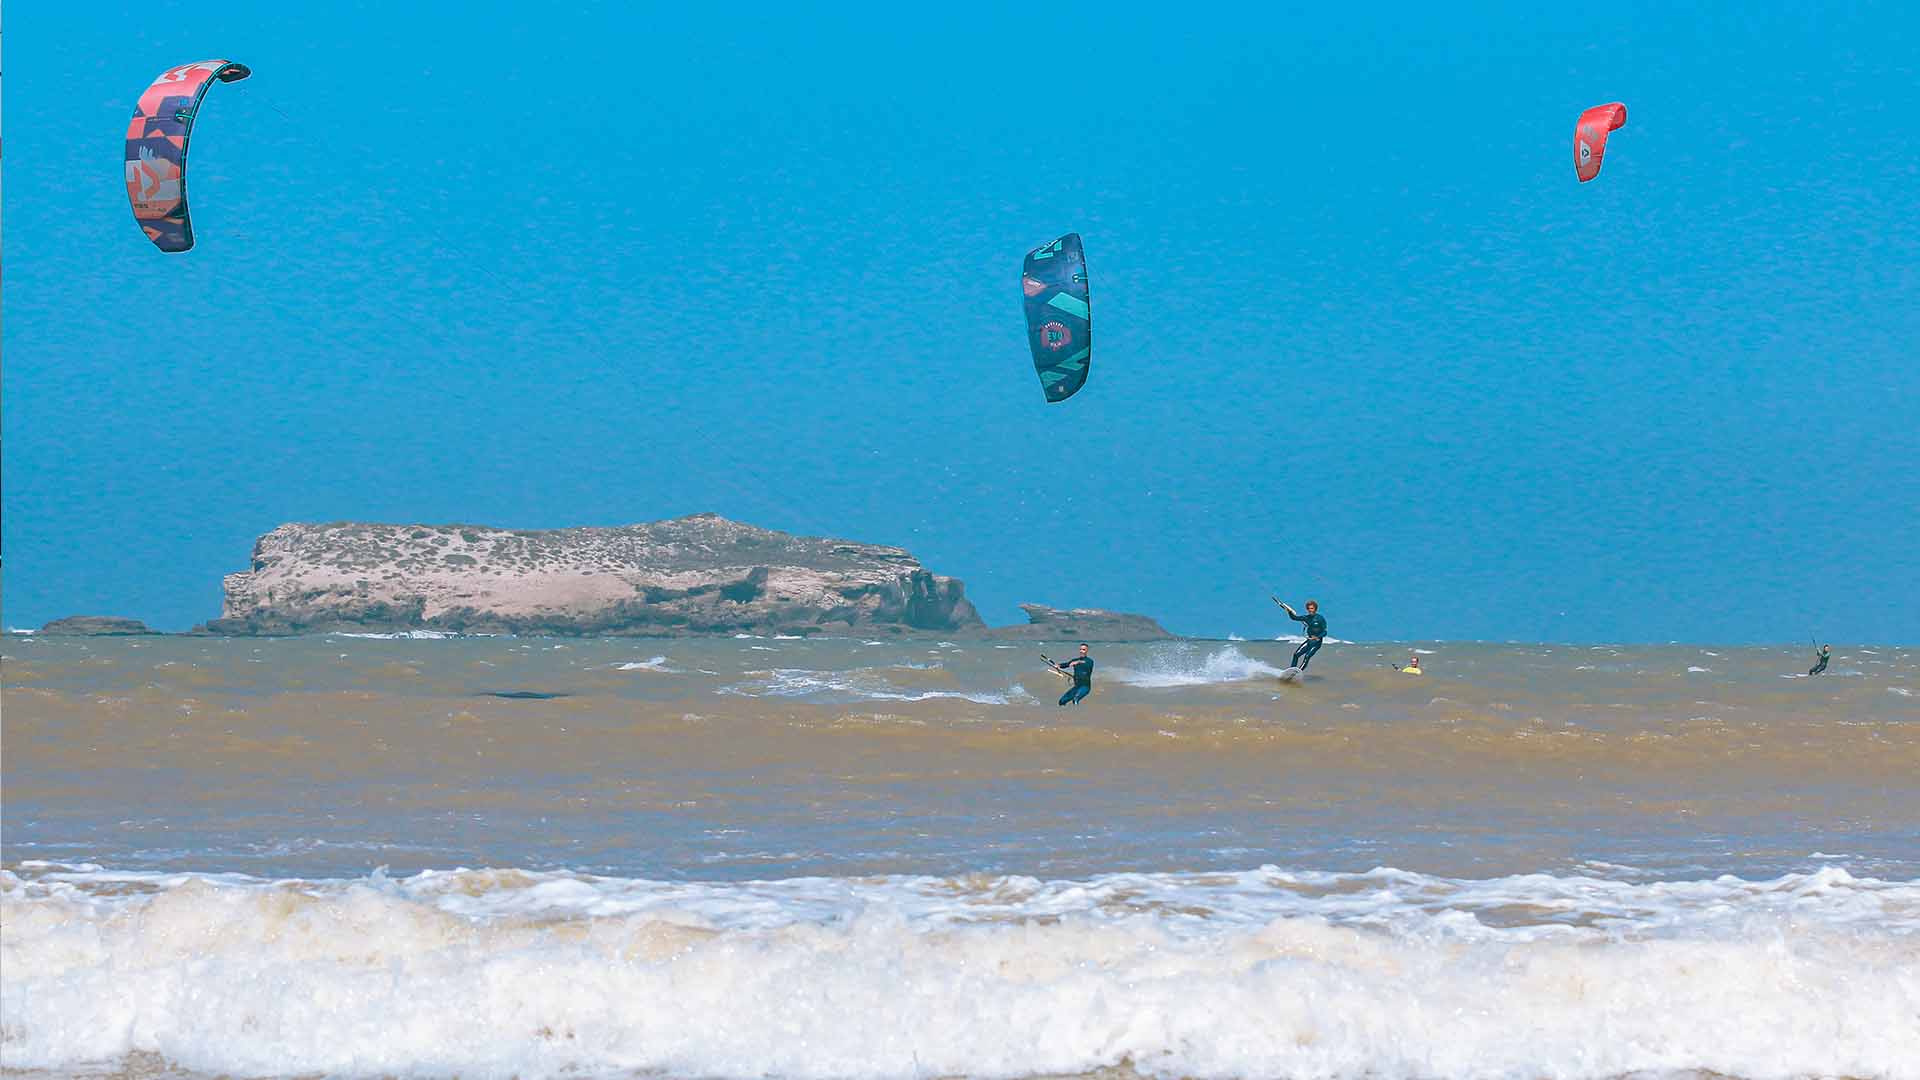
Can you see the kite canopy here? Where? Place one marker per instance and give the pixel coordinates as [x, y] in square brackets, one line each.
[157, 148]
[1590, 137]
[1059, 317]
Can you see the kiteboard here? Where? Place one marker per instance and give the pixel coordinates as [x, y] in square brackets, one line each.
[1291, 675]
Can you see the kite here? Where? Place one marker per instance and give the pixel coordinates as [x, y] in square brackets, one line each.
[1590, 137]
[157, 148]
[1059, 317]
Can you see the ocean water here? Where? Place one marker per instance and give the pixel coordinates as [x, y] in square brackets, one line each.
[776, 857]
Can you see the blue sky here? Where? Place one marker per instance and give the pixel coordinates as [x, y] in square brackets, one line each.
[1359, 334]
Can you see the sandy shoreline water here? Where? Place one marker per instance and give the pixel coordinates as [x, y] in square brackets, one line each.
[336, 755]
[773, 857]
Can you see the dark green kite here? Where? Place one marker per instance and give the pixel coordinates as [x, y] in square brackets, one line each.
[1059, 317]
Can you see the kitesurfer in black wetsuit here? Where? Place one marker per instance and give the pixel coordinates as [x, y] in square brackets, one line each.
[1826, 652]
[1316, 631]
[1081, 668]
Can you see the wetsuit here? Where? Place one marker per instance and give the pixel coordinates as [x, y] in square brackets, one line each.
[1081, 668]
[1316, 632]
[1822, 665]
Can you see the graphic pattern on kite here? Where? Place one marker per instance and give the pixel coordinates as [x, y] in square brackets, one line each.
[1590, 137]
[157, 148]
[1059, 315]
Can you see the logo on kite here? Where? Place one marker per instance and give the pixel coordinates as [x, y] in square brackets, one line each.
[1590, 138]
[157, 141]
[1059, 315]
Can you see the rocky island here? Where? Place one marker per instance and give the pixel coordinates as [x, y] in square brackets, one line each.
[1083, 624]
[687, 576]
[96, 626]
[691, 575]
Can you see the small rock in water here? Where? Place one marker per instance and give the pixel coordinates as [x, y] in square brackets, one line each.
[96, 626]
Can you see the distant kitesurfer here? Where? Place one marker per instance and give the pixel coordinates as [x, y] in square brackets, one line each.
[1080, 670]
[1316, 631]
[1826, 653]
[1413, 666]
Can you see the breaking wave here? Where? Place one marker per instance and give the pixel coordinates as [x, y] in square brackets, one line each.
[1243, 973]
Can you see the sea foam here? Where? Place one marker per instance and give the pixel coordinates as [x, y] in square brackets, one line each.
[1262, 972]
[1181, 665]
[860, 684]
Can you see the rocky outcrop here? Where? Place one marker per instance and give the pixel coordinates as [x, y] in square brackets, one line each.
[1082, 624]
[96, 626]
[693, 575]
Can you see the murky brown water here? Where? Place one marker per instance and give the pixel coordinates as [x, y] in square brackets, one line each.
[727, 759]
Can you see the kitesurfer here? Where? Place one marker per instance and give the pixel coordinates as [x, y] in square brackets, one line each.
[1413, 666]
[1080, 669]
[1826, 653]
[1316, 631]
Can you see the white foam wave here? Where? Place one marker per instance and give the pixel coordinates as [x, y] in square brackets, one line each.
[1696, 670]
[1179, 665]
[656, 664]
[398, 635]
[865, 684]
[1265, 972]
